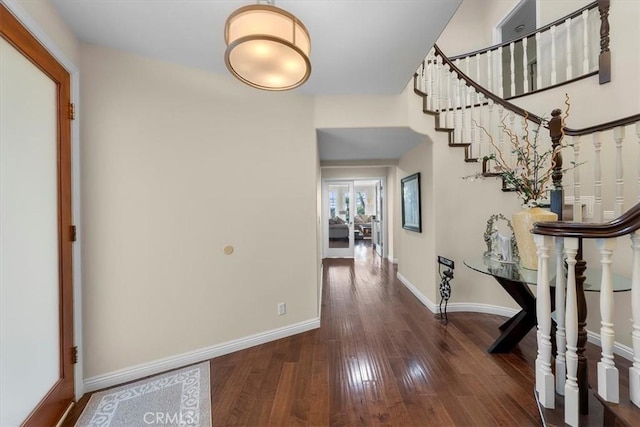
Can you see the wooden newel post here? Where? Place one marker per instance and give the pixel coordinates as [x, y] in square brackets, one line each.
[557, 194]
[604, 60]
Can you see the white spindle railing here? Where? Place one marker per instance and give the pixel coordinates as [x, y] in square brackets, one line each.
[585, 42]
[569, 59]
[607, 371]
[554, 73]
[525, 66]
[634, 371]
[577, 205]
[545, 383]
[549, 54]
[571, 391]
[597, 179]
[465, 108]
[618, 134]
[512, 64]
[561, 337]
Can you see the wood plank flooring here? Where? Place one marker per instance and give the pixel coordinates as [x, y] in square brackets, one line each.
[379, 358]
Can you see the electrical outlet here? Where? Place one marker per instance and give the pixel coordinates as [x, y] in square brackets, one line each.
[282, 308]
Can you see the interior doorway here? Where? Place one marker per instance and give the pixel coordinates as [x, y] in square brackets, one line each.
[353, 215]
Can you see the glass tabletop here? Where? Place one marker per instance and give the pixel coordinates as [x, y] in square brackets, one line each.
[516, 273]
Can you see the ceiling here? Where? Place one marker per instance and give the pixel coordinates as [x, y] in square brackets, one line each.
[366, 143]
[358, 47]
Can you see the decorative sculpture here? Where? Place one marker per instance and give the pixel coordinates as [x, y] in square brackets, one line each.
[500, 247]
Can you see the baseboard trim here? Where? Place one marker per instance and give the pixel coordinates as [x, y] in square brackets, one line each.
[161, 365]
[619, 349]
[594, 338]
[457, 306]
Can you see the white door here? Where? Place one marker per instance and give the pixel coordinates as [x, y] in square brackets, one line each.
[339, 205]
[36, 306]
[378, 223]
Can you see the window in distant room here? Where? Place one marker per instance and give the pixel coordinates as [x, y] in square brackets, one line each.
[361, 202]
[332, 203]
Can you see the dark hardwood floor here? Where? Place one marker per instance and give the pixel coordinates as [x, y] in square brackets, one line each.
[379, 358]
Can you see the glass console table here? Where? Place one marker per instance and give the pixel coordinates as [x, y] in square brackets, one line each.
[515, 280]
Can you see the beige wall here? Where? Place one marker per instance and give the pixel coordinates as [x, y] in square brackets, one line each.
[454, 217]
[177, 164]
[552, 10]
[471, 28]
[417, 250]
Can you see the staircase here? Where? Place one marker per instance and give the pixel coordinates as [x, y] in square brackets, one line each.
[595, 192]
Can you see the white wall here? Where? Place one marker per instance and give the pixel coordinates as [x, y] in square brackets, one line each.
[177, 164]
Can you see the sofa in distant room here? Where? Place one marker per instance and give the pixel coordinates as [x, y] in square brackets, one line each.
[338, 229]
[363, 223]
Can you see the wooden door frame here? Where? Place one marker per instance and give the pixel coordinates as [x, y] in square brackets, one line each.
[36, 30]
[22, 32]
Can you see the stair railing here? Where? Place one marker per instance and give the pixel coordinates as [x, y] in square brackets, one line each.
[567, 238]
[568, 49]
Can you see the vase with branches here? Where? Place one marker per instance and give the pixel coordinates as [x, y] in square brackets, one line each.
[528, 171]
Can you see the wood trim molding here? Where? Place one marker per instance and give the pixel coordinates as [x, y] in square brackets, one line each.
[625, 224]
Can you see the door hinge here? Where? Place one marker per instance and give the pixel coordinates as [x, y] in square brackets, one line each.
[72, 111]
[74, 355]
[72, 233]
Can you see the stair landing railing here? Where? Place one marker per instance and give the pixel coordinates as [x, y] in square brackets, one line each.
[570, 379]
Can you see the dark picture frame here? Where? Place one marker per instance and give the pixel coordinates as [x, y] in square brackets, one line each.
[411, 206]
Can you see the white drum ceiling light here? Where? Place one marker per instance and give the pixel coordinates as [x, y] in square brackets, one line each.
[267, 47]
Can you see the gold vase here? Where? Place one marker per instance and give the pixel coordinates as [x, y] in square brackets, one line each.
[522, 223]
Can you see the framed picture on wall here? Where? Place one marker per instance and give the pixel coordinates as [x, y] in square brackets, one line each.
[411, 211]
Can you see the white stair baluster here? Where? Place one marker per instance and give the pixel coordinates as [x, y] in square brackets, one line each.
[571, 392]
[489, 74]
[634, 371]
[567, 24]
[561, 337]
[513, 157]
[455, 100]
[489, 124]
[597, 179]
[477, 77]
[500, 82]
[538, 62]
[525, 66]
[430, 81]
[552, 31]
[618, 135]
[482, 111]
[607, 371]
[512, 66]
[439, 87]
[500, 132]
[638, 171]
[577, 207]
[450, 100]
[545, 383]
[585, 42]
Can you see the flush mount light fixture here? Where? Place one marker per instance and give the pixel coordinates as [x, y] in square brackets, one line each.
[267, 47]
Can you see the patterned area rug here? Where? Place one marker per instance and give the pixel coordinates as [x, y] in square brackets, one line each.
[177, 398]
